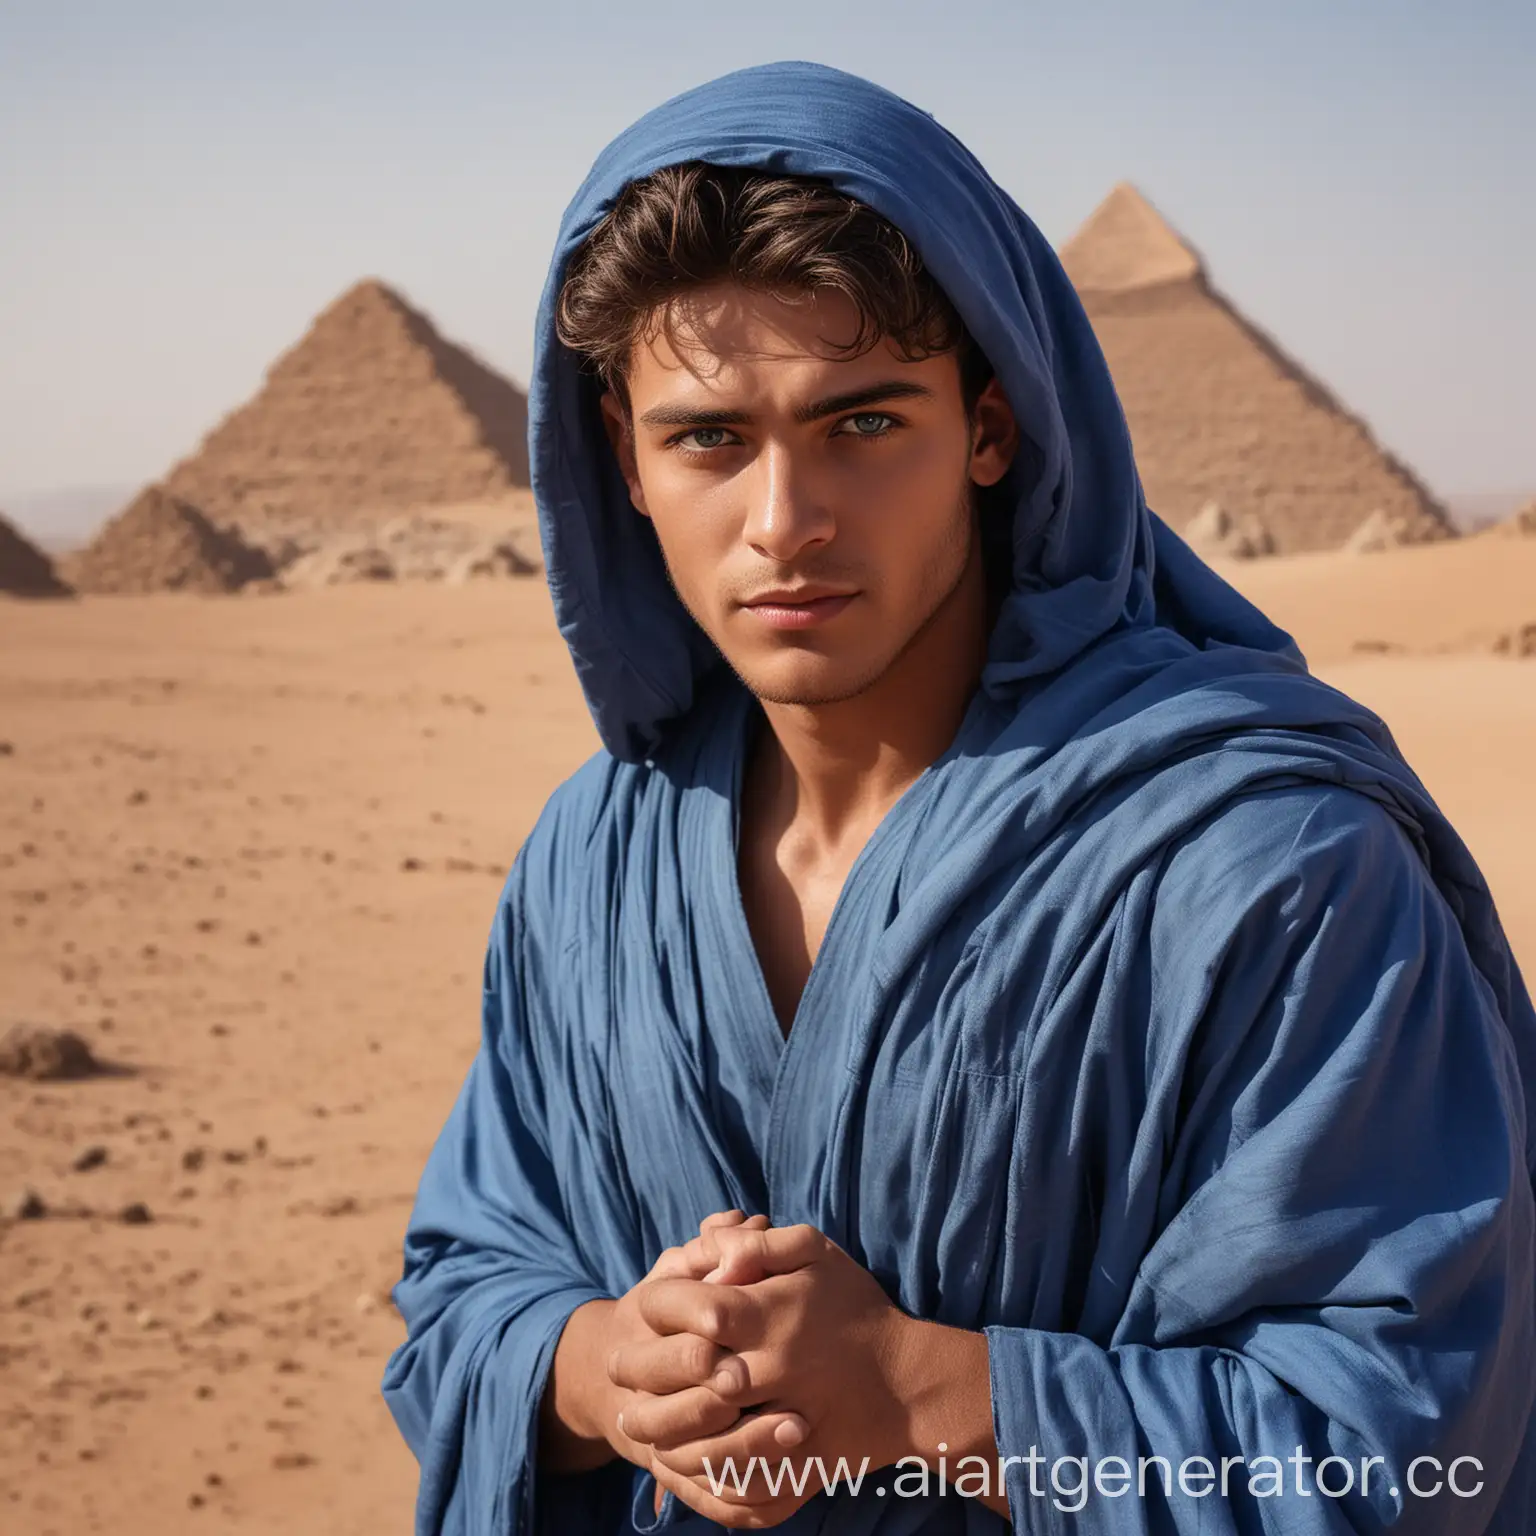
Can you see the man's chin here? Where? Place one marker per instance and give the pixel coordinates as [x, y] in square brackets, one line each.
[809, 683]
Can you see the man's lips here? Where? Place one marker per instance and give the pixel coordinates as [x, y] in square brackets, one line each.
[794, 610]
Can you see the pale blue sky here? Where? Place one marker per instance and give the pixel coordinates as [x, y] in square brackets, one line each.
[184, 183]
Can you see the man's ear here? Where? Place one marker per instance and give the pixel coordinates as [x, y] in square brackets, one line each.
[621, 437]
[994, 435]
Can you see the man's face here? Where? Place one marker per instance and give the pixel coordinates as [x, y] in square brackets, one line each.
[814, 511]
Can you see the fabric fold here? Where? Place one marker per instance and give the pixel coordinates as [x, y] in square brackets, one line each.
[1344, 1206]
[491, 1278]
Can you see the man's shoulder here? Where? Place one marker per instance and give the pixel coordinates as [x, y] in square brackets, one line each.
[1287, 850]
[577, 835]
[574, 812]
[609, 805]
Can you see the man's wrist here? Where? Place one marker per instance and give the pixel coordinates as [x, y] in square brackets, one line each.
[941, 1378]
[942, 1381]
[577, 1430]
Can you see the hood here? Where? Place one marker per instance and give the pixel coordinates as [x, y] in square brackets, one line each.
[1088, 556]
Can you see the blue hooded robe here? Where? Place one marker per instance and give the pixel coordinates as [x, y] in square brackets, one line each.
[1163, 1030]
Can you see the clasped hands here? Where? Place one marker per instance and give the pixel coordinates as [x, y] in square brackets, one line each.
[753, 1341]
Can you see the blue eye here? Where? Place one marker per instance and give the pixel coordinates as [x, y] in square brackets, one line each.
[870, 424]
[715, 434]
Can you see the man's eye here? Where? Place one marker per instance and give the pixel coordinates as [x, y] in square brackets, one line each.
[702, 437]
[870, 424]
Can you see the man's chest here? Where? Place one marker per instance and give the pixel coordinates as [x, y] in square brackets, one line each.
[788, 899]
[936, 1123]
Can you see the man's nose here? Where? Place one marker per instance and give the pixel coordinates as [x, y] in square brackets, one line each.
[786, 514]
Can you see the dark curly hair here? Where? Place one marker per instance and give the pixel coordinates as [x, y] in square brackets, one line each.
[693, 224]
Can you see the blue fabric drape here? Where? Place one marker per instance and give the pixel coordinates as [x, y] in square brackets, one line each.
[1164, 1029]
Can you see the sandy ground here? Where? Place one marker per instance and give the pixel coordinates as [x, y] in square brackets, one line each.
[251, 849]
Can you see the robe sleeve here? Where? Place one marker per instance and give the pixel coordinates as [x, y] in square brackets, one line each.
[491, 1275]
[1342, 1264]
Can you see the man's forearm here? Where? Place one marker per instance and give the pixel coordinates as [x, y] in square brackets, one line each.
[944, 1381]
[574, 1411]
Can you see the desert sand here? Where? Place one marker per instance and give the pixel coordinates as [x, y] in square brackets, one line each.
[250, 850]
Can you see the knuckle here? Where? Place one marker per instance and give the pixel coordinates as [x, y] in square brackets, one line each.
[698, 1357]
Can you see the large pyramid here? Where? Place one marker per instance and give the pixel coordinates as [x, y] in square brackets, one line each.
[371, 411]
[1218, 413]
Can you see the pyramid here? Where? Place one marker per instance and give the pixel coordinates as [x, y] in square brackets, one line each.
[1126, 244]
[25, 571]
[160, 543]
[371, 411]
[1217, 411]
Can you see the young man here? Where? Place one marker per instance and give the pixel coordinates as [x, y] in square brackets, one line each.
[1118, 1055]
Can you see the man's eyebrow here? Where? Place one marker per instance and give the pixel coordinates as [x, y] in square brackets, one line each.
[815, 410]
[853, 399]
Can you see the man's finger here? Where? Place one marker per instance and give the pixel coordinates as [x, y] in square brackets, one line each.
[738, 1256]
[698, 1497]
[758, 1440]
[669, 1364]
[745, 1255]
[704, 1258]
[716, 1312]
[702, 1251]
[674, 1263]
[690, 1260]
[678, 1418]
[723, 1219]
[733, 1218]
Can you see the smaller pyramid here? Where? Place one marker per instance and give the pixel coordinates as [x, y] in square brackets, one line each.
[160, 543]
[1127, 244]
[370, 411]
[25, 571]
